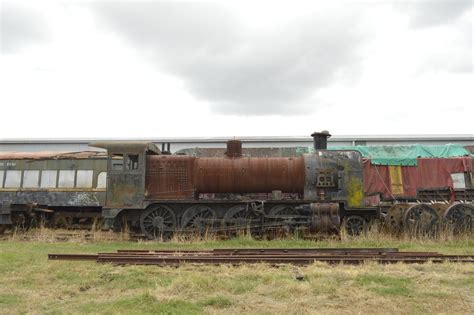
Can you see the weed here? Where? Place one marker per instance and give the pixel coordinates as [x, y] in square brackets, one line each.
[217, 302]
[29, 283]
[7, 299]
[385, 285]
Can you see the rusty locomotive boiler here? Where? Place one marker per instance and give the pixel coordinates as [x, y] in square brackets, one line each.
[158, 194]
[162, 193]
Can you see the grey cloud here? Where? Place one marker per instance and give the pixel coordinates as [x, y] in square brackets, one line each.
[20, 26]
[221, 59]
[426, 13]
[455, 54]
[454, 26]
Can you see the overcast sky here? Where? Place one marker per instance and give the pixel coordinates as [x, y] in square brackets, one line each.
[235, 68]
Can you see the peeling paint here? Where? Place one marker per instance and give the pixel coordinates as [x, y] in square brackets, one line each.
[355, 190]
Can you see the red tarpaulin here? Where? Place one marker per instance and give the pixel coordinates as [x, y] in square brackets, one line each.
[430, 173]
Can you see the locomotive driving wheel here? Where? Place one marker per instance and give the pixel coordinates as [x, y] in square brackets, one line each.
[421, 219]
[158, 222]
[282, 218]
[354, 225]
[240, 218]
[459, 217]
[198, 218]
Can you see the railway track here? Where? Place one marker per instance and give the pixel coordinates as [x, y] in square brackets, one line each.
[272, 256]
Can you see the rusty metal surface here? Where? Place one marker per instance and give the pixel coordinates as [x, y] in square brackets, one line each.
[170, 177]
[182, 177]
[459, 217]
[325, 216]
[295, 256]
[416, 218]
[342, 250]
[234, 148]
[445, 194]
[72, 256]
[126, 183]
[334, 176]
[124, 190]
[395, 215]
[421, 218]
[267, 251]
[249, 175]
[248, 152]
[236, 260]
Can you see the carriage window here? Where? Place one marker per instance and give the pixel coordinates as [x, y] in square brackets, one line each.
[132, 162]
[102, 180]
[30, 179]
[84, 179]
[2, 173]
[117, 162]
[459, 181]
[13, 179]
[48, 179]
[66, 179]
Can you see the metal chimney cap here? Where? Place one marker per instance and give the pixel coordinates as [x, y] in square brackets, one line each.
[321, 133]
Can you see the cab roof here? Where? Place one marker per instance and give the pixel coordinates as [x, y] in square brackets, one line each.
[127, 146]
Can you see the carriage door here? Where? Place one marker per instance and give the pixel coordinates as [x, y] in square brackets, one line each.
[125, 179]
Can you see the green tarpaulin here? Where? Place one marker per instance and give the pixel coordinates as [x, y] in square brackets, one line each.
[406, 154]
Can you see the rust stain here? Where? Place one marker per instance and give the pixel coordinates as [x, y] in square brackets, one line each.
[183, 177]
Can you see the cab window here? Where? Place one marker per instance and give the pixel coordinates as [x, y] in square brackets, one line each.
[132, 162]
[117, 162]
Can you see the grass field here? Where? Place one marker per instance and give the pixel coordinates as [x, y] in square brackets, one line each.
[29, 283]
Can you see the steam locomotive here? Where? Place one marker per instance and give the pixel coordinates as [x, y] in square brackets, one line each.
[158, 194]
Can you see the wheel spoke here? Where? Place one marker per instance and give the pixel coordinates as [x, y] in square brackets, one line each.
[240, 218]
[459, 217]
[421, 219]
[193, 218]
[354, 225]
[157, 222]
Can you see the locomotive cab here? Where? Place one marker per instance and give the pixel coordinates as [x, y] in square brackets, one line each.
[126, 166]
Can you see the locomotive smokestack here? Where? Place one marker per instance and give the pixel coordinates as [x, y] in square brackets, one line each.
[321, 139]
[234, 148]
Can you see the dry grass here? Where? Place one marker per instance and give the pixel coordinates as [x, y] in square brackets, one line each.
[29, 283]
[55, 235]
[376, 232]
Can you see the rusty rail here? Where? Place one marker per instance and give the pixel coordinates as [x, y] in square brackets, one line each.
[265, 251]
[273, 256]
[72, 256]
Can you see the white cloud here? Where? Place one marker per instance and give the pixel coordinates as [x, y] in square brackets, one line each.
[290, 70]
[21, 25]
[221, 60]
